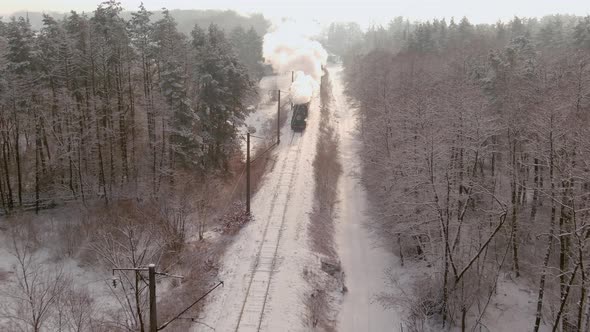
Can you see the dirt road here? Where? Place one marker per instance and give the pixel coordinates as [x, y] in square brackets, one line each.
[364, 264]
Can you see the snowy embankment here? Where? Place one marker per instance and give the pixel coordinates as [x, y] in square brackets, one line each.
[364, 263]
[511, 308]
[263, 269]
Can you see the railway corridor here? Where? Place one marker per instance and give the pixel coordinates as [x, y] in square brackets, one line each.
[262, 269]
[251, 314]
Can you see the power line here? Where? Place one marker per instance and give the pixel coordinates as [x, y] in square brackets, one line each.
[194, 320]
[152, 286]
[263, 153]
[190, 306]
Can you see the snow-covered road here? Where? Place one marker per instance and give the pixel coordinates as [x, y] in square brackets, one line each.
[363, 262]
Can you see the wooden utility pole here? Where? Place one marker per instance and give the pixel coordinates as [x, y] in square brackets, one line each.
[151, 269]
[292, 80]
[153, 312]
[248, 172]
[279, 119]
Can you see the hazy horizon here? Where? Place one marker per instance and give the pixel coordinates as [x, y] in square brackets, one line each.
[366, 13]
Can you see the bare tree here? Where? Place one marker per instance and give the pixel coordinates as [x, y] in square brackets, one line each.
[475, 150]
[125, 244]
[31, 298]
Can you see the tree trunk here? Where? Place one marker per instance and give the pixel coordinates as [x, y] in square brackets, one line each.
[162, 153]
[98, 122]
[514, 213]
[539, 313]
[38, 150]
[564, 297]
[18, 166]
[132, 109]
[9, 200]
[2, 201]
[138, 301]
[70, 161]
[563, 242]
[535, 192]
[151, 121]
[122, 125]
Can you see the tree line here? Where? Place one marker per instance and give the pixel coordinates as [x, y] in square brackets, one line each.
[476, 158]
[98, 106]
[186, 19]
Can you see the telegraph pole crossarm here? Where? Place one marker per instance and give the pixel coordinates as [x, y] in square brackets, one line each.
[151, 269]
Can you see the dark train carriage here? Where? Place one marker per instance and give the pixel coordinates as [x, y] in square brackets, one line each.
[299, 119]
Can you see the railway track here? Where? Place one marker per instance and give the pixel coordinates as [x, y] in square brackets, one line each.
[254, 304]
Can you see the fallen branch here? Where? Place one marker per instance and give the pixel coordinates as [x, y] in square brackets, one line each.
[502, 220]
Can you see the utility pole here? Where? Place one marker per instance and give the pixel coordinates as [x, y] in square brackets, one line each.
[248, 172]
[279, 119]
[151, 269]
[153, 313]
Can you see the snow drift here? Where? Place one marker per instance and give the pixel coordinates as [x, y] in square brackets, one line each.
[288, 49]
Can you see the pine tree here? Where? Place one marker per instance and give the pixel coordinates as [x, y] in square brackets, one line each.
[252, 58]
[170, 55]
[248, 48]
[141, 33]
[184, 140]
[79, 80]
[111, 49]
[74, 91]
[20, 94]
[582, 33]
[223, 82]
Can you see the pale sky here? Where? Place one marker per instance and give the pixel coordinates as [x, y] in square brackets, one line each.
[365, 12]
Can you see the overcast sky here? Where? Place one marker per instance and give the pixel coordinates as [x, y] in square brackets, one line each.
[365, 12]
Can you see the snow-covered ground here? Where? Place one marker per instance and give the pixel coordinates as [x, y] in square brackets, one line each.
[96, 283]
[511, 309]
[263, 268]
[363, 262]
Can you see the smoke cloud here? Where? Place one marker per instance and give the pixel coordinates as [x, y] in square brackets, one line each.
[303, 88]
[288, 49]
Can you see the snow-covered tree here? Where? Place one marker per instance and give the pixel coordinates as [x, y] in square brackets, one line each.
[223, 83]
[472, 156]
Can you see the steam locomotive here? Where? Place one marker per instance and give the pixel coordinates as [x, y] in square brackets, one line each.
[300, 111]
[299, 118]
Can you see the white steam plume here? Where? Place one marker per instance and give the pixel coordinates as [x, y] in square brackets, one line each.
[288, 49]
[303, 88]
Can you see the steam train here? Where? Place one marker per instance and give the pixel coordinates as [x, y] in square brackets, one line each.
[300, 111]
[299, 118]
